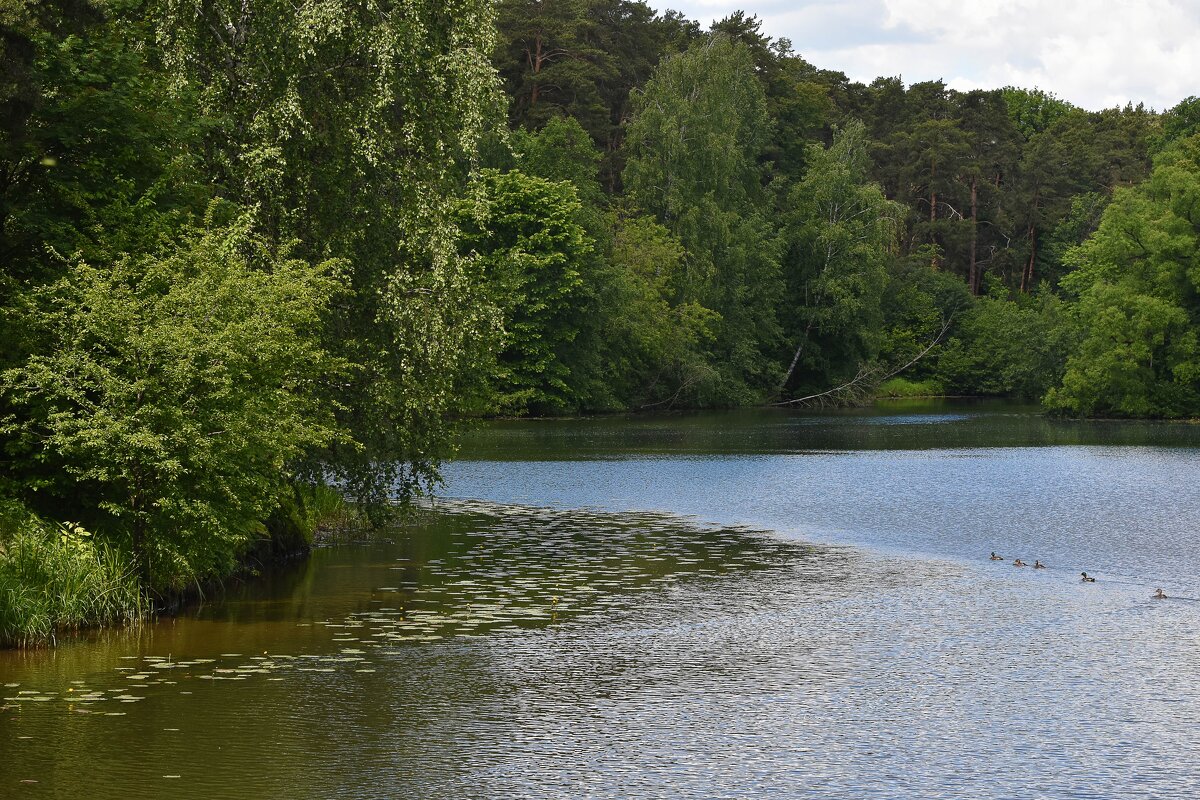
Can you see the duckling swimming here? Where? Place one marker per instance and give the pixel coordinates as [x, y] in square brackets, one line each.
[995, 557]
[1086, 579]
[1158, 595]
[1038, 565]
[1019, 563]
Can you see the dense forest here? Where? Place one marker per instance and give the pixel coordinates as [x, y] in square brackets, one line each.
[260, 255]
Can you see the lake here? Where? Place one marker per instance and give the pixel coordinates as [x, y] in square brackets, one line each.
[770, 604]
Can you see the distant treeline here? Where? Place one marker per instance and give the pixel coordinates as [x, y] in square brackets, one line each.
[253, 249]
[815, 235]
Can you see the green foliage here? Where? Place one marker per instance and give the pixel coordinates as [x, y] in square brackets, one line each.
[1138, 283]
[698, 131]
[355, 139]
[695, 141]
[797, 102]
[1008, 348]
[920, 304]
[1034, 110]
[902, 387]
[561, 151]
[91, 149]
[1179, 122]
[1138, 358]
[582, 59]
[173, 393]
[842, 233]
[57, 577]
[302, 511]
[530, 250]
[1072, 230]
[656, 350]
[552, 61]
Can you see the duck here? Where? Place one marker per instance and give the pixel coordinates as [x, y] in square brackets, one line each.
[1019, 563]
[995, 557]
[1086, 579]
[1158, 595]
[1038, 565]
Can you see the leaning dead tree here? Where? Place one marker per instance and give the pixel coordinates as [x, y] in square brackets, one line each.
[862, 386]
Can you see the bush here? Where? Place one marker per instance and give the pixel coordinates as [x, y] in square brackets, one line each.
[302, 511]
[171, 395]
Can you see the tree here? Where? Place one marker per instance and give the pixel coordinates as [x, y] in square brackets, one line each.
[656, 351]
[174, 397]
[531, 250]
[1056, 164]
[797, 103]
[1008, 348]
[1139, 357]
[695, 141]
[989, 162]
[551, 62]
[562, 151]
[1138, 283]
[92, 154]
[1033, 111]
[355, 138]
[1180, 122]
[932, 148]
[842, 233]
[583, 59]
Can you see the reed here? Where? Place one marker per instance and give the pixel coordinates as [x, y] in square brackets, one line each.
[55, 578]
[328, 510]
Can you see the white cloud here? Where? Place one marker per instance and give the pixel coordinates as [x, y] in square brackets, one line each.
[1094, 53]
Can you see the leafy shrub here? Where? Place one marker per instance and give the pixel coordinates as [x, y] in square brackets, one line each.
[172, 395]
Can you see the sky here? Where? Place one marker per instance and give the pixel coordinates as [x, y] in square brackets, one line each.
[1093, 53]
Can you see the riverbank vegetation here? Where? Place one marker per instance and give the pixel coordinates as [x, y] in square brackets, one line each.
[253, 251]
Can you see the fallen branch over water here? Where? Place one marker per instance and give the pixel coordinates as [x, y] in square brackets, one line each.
[868, 379]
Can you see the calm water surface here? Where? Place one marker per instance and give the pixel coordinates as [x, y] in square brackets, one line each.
[755, 604]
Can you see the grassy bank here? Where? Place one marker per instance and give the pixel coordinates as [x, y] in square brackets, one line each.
[57, 578]
[902, 387]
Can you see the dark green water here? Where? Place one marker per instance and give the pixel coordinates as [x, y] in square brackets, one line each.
[752, 604]
[890, 425]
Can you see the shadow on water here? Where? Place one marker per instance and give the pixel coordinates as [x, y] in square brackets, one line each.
[890, 425]
[296, 665]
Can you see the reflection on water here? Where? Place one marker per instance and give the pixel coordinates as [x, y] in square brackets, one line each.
[370, 645]
[894, 425]
[506, 650]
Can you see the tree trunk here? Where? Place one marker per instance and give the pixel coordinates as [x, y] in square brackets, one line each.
[796, 358]
[973, 275]
[1027, 275]
[933, 263]
[536, 64]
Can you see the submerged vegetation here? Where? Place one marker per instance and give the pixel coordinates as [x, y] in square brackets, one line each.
[237, 289]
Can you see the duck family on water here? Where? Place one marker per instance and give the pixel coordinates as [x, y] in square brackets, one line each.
[1084, 577]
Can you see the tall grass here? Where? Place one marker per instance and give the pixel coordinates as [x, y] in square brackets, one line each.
[304, 511]
[902, 387]
[328, 510]
[55, 578]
